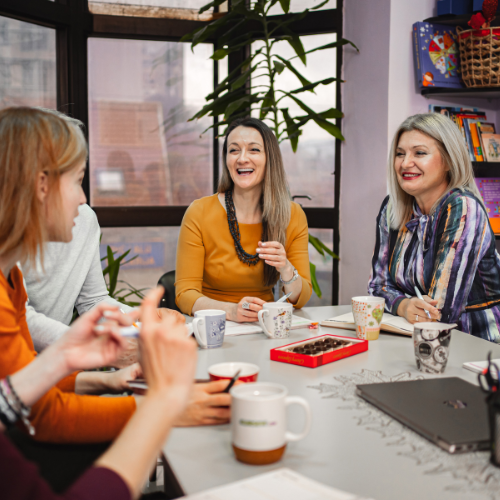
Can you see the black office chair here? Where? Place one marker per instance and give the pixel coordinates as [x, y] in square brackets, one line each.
[167, 281]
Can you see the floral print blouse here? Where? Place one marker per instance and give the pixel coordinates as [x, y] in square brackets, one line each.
[450, 256]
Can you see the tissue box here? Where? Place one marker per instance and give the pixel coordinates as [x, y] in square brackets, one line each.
[457, 7]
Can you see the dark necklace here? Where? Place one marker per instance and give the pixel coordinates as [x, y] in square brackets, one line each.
[234, 229]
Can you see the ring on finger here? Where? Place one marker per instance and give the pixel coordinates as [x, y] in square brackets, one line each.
[417, 317]
[246, 306]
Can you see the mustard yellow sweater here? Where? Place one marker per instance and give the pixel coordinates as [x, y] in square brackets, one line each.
[207, 263]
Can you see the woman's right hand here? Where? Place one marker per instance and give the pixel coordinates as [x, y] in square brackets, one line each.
[241, 315]
[168, 356]
[413, 310]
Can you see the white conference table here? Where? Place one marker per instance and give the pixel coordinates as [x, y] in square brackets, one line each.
[351, 446]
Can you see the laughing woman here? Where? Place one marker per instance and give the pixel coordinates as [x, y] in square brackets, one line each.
[235, 245]
[433, 232]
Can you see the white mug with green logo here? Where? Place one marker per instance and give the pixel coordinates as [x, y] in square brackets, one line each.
[258, 421]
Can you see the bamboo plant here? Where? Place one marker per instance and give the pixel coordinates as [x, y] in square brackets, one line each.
[251, 87]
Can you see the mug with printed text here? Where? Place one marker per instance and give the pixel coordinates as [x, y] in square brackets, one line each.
[259, 432]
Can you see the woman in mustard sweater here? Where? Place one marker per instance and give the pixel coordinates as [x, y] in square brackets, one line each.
[235, 245]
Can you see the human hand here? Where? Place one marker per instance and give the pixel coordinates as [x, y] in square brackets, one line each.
[414, 310]
[241, 315]
[168, 356]
[88, 344]
[273, 253]
[130, 354]
[207, 405]
[118, 380]
[164, 312]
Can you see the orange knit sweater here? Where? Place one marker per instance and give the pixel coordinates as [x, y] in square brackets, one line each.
[60, 416]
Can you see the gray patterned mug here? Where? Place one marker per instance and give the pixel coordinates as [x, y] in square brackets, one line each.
[432, 346]
[209, 327]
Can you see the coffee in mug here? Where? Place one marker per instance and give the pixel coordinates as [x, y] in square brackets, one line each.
[209, 327]
[275, 318]
[258, 422]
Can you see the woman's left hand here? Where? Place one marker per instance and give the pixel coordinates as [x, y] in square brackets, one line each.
[273, 253]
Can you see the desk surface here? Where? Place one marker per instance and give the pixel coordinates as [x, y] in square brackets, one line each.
[352, 445]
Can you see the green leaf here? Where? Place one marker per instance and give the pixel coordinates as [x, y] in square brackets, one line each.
[285, 5]
[338, 43]
[241, 80]
[279, 67]
[312, 86]
[291, 129]
[321, 247]
[219, 54]
[267, 103]
[303, 80]
[319, 5]
[314, 281]
[218, 105]
[234, 106]
[296, 44]
[208, 6]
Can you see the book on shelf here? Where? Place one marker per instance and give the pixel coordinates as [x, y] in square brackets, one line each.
[474, 127]
[491, 144]
[436, 56]
[489, 187]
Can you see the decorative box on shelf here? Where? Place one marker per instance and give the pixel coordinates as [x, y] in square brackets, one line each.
[335, 347]
[456, 7]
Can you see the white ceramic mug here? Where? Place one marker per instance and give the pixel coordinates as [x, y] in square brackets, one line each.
[258, 421]
[209, 327]
[368, 312]
[275, 318]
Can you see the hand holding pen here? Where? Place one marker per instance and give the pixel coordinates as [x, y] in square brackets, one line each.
[419, 309]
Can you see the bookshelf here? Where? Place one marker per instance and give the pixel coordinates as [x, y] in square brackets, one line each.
[453, 20]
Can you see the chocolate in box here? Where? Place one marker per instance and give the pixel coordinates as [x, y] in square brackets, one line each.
[348, 347]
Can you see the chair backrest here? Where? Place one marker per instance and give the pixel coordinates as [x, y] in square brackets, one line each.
[167, 281]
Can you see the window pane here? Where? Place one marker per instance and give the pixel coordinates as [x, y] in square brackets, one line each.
[155, 247]
[300, 5]
[143, 151]
[28, 64]
[323, 268]
[310, 169]
[173, 9]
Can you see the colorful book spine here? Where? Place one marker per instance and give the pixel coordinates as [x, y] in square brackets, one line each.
[489, 188]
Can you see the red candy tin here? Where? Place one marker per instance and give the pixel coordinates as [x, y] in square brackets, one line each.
[319, 351]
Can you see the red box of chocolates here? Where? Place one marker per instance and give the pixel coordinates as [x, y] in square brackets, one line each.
[319, 351]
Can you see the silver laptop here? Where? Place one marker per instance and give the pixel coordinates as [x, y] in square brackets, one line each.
[450, 412]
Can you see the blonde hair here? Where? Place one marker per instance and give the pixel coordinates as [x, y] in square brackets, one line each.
[454, 153]
[275, 201]
[32, 141]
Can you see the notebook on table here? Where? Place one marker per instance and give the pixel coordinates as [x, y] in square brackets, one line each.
[233, 329]
[390, 323]
[450, 412]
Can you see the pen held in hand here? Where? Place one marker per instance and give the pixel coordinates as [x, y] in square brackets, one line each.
[419, 295]
[232, 381]
[284, 297]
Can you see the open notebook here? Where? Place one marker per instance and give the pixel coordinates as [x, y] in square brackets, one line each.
[233, 329]
[390, 323]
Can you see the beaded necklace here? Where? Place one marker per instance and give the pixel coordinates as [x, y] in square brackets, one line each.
[234, 229]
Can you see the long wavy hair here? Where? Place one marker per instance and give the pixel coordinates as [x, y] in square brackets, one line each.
[454, 153]
[32, 141]
[275, 200]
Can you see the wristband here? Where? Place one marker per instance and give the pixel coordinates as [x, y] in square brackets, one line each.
[294, 277]
[14, 401]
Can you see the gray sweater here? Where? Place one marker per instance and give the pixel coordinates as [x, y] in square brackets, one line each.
[73, 277]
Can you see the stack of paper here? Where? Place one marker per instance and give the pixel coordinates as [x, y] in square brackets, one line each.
[233, 329]
[281, 484]
[479, 366]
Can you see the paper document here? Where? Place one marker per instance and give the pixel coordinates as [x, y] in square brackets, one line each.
[233, 328]
[390, 323]
[479, 366]
[281, 484]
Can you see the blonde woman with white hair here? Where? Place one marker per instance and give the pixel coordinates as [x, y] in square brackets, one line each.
[433, 233]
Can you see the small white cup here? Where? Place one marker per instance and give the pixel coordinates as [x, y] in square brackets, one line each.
[258, 421]
[209, 327]
[275, 318]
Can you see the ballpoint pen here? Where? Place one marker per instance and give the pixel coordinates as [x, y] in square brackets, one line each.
[232, 381]
[284, 297]
[419, 295]
[123, 312]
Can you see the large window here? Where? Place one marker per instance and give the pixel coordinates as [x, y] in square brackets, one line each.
[143, 151]
[27, 64]
[119, 67]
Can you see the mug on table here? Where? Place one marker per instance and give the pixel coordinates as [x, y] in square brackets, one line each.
[226, 371]
[368, 312]
[275, 318]
[209, 327]
[432, 346]
[258, 422]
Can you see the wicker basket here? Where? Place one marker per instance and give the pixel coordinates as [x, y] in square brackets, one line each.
[480, 57]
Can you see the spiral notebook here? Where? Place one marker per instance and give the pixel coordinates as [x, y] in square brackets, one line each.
[390, 323]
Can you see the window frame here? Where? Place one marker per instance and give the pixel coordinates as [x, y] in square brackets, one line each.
[75, 24]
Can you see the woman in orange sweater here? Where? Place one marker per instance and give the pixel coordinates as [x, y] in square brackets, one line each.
[234, 246]
[42, 164]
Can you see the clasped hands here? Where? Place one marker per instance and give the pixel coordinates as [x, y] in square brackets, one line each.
[272, 253]
[413, 310]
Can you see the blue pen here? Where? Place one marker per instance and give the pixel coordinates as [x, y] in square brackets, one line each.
[419, 295]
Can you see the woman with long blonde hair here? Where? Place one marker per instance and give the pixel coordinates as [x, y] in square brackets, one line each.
[433, 233]
[236, 244]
